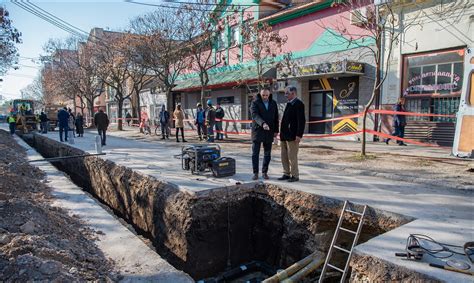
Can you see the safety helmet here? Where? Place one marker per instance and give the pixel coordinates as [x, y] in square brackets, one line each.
[209, 102]
[199, 104]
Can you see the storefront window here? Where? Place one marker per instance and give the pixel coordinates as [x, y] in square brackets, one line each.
[435, 73]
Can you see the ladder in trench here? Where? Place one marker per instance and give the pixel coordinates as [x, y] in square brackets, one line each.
[333, 246]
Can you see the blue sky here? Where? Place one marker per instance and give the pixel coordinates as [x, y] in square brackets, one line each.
[36, 31]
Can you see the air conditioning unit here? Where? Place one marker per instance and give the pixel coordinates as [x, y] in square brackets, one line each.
[279, 86]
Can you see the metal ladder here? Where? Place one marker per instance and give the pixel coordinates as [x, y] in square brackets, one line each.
[334, 239]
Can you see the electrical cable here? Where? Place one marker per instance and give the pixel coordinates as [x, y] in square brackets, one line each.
[415, 241]
[55, 23]
[189, 4]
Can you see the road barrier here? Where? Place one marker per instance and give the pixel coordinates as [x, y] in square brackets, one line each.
[247, 132]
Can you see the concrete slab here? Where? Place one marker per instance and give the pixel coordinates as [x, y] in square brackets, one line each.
[444, 215]
[135, 261]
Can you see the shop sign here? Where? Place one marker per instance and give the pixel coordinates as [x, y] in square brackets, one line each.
[315, 69]
[432, 87]
[354, 67]
[225, 100]
[329, 68]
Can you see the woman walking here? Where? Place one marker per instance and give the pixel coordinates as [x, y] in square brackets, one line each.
[178, 116]
[399, 122]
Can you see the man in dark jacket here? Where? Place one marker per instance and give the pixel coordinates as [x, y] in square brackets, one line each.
[164, 121]
[101, 121]
[44, 123]
[291, 132]
[219, 115]
[264, 129]
[63, 120]
[210, 120]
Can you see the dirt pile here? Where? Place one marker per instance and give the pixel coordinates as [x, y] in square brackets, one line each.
[39, 241]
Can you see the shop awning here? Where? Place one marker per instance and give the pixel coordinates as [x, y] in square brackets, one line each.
[218, 79]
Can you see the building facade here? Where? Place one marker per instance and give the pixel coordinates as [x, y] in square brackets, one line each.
[426, 66]
[333, 76]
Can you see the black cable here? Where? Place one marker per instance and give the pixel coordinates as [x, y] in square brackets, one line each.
[224, 7]
[415, 240]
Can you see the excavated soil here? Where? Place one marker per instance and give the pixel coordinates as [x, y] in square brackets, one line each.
[40, 242]
[208, 232]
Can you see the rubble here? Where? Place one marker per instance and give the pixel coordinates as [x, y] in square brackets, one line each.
[38, 241]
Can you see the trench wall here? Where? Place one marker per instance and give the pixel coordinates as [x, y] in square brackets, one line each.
[203, 233]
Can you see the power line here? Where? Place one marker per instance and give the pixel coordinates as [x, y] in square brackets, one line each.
[209, 4]
[188, 7]
[48, 19]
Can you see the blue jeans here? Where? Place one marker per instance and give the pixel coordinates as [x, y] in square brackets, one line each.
[267, 155]
[62, 129]
[12, 128]
[220, 136]
[210, 133]
[399, 132]
[102, 134]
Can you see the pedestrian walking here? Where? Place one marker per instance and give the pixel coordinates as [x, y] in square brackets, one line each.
[200, 122]
[210, 120]
[128, 118]
[399, 122]
[44, 122]
[220, 113]
[63, 121]
[291, 132]
[178, 116]
[79, 125]
[71, 124]
[164, 122]
[12, 123]
[264, 129]
[101, 121]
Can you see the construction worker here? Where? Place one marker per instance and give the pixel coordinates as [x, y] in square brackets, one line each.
[12, 123]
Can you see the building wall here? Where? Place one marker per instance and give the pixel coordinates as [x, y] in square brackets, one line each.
[438, 26]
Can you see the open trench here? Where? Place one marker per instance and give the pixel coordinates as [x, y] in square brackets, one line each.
[209, 232]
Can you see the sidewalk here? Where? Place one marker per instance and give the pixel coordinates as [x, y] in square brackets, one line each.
[330, 143]
[445, 215]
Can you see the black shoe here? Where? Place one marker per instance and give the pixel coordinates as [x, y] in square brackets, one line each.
[293, 179]
[177, 140]
[402, 144]
[185, 141]
[387, 140]
[265, 176]
[284, 177]
[163, 138]
[255, 176]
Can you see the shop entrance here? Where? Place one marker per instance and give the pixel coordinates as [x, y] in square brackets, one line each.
[321, 109]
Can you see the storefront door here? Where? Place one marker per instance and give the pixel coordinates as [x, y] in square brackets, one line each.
[321, 109]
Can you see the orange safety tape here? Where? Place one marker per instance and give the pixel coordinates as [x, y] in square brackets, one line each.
[331, 135]
[336, 119]
[402, 139]
[391, 112]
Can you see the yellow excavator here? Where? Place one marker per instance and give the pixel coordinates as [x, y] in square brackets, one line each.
[23, 109]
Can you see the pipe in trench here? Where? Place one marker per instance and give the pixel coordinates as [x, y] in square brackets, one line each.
[282, 275]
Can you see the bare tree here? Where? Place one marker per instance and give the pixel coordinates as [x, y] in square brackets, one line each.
[375, 30]
[264, 47]
[160, 46]
[201, 29]
[110, 55]
[73, 72]
[33, 91]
